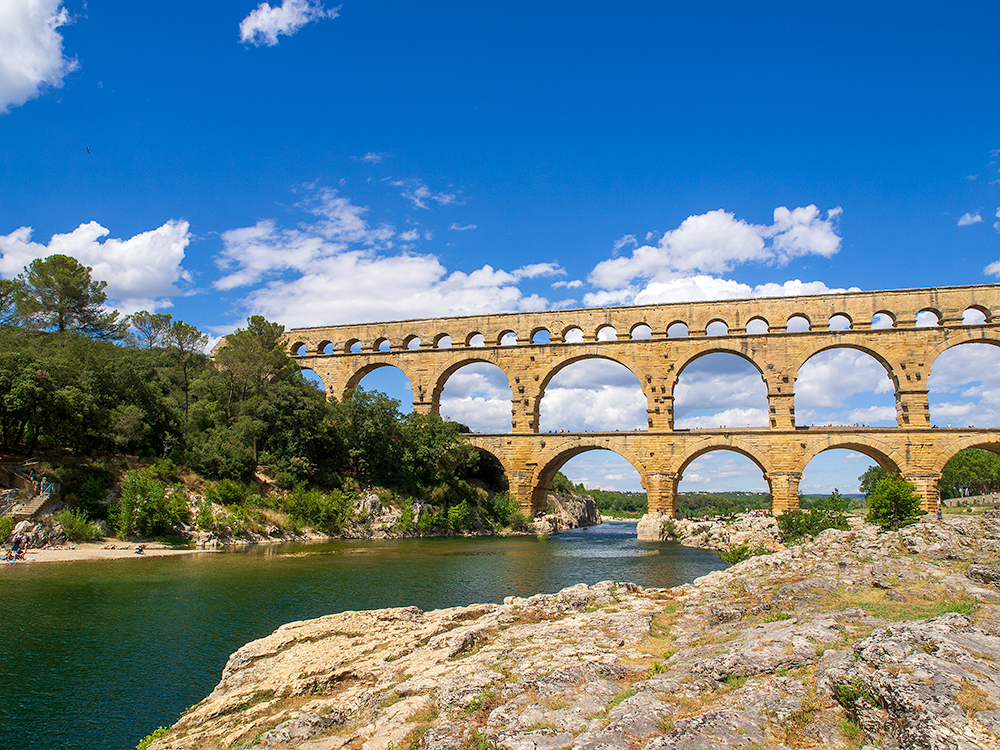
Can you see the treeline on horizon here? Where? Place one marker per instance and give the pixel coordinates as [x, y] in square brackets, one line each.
[77, 378]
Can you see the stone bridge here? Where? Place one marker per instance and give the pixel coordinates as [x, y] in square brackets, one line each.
[905, 330]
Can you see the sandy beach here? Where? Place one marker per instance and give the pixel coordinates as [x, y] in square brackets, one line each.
[107, 550]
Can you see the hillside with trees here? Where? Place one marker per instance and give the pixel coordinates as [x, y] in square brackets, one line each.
[85, 388]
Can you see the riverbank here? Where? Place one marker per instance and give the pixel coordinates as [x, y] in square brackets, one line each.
[106, 550]
[856, 637]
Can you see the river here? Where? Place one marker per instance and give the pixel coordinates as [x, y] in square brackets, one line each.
[95, 655]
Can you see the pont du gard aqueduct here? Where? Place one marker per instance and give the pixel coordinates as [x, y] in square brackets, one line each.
[905, 330]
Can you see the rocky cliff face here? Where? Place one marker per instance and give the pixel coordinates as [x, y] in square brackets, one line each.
[566, 512]
[856, 637]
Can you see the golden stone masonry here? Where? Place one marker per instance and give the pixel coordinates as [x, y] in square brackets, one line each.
[905, 330]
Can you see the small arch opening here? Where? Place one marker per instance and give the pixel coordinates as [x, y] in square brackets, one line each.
[607, 333]
[353, 346]
[476, 340]
[973, 316]
[541, 336]
[508, 338]
[928, 319]
[883, 320]
[757, 326]
[413, 342]
[298, 349]
[798, 324]
[443, 341]
[325, 347]
[573, 335]
[677, 331]
[840, 322]
[717, 328]
[382, 345]
[642, 331]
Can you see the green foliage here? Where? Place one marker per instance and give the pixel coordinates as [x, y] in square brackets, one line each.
[893, 503]
[740, 552]
[143, 507]
[150, 738]
[226, 492]
[57, 293]
[6, 527]
[323, 511]
[973, 471]
[204, 517]
[459, 516]
[406, 517]
[711, 504]
[872, 476]
[76, 527]
[829, 514]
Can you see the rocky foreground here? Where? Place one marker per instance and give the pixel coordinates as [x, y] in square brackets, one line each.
[856, 638]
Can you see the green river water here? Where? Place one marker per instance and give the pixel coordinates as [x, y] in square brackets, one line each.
[95, 655]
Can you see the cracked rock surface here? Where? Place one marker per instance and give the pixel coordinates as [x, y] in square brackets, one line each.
[855, 638]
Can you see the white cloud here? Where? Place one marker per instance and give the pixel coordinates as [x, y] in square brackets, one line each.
[479, 396]
[735, 418]
[967, 219]
[142, 272]
[716, 242]
[410, 236]
[31, 49]
[720, 390]
[265, 23]
[372, 158]
[456, 228]
[996, 224]
[593, 395]
[420, 195]
[340, 269]
[575, 284]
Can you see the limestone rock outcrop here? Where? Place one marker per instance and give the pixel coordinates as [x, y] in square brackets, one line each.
[854, 638]
[566, 512]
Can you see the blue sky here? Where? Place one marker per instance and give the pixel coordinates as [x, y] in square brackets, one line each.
[323, 163]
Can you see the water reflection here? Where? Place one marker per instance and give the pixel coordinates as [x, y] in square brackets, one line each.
[103, 652]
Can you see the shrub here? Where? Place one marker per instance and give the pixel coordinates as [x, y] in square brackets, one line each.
[6, 527]
[322, 511]
[829, 514]
[226, 492]
[143, 507]
[90, 500]
[459, 516]
[894, 503]
[740, 552]
[76, 527]
[164, 470]
[406, 517]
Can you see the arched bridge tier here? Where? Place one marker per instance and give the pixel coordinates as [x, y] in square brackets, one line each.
[532, 460]
[531, 347]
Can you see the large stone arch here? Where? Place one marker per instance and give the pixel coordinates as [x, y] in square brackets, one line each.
[947, 452]
[884, 455]
[359, 373]
[556, 457]
[891, 365]
[783, 485]
[972, 336]
[717, 347]
[456, 363]
[645, 380]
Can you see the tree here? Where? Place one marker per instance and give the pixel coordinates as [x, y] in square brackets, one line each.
[973, 471]
[57, 293]
[253, 358]
[188, 340]
[151, 329]
[893, 503]
[8, 302]
[872, 476]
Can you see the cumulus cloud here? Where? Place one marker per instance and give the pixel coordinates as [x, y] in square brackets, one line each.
[266, 23]
[964, 387]
[720, 390]
[969, 218]
[142, 272]
[31, 49]
[717, 241]
[479, 396]
[593, 395]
